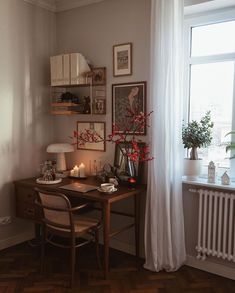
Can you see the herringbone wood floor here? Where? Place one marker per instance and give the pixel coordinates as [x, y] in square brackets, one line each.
[19, 268]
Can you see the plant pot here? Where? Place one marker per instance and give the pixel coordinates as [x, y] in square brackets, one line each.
[192, 168]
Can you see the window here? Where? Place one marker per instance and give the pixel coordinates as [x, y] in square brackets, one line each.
[210, 73]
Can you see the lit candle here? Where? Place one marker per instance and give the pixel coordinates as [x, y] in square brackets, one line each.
[132, 182]
[82, 170]
[76, 171]
[72, 172]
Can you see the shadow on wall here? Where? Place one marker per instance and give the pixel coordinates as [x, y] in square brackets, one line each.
[26, 127]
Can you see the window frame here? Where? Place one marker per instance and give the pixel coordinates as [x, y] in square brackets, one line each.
[202, 19]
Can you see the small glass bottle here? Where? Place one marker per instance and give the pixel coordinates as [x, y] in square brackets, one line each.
[94, 171]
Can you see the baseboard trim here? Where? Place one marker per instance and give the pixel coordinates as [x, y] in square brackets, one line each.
[16, 239]
[211, 267]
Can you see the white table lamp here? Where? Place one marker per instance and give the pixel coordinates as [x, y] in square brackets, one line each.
[60, 149]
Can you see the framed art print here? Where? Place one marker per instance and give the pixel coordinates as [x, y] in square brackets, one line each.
[99, 76]
[122, 59]
[128, 99]
[120, 159]
[99, 106]
[93, 128]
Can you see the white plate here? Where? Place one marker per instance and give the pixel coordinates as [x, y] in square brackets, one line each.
[41, 181]
[101, 190]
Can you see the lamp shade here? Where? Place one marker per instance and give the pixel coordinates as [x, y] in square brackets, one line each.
[60, 148]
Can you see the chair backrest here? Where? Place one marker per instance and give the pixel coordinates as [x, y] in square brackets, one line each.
[56, 209]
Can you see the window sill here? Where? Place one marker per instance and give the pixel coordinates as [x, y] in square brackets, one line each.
[203, 182]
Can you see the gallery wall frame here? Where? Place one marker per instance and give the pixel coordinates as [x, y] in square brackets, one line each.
[122, 59]
[120, 159]
[128, 98]
[94, 127]
[99, 76]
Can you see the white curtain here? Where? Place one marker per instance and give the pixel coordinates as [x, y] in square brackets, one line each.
[164, 223]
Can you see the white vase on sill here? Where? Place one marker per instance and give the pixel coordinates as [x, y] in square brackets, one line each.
[192, 168]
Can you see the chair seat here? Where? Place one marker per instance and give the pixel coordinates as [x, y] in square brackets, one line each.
[81, 225]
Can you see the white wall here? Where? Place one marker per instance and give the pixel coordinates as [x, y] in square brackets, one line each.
[27, 40]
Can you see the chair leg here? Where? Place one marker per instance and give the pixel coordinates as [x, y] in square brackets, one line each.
[43, 237]
[73, 261]
[97, 248]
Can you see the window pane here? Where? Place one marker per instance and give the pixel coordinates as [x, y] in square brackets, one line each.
[212, 90]
[213, 39]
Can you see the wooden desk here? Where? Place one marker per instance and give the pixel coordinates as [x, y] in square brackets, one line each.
[25, 208]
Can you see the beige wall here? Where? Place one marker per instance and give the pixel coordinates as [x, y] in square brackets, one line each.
[27, 40]
[93, 30]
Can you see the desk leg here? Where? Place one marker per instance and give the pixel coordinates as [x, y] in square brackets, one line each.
[106, 225]
[137, 225]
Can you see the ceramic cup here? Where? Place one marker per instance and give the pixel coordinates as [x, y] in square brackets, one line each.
[107, 187]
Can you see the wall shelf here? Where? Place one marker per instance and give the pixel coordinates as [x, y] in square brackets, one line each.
[60, 104]
[63, 112]
[69, 90]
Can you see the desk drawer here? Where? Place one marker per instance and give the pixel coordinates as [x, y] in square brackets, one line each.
[24, 194]
[28, 211]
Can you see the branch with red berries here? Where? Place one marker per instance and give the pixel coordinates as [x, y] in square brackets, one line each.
[133, 148]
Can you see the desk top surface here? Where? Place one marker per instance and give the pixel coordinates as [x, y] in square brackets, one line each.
[122, 192]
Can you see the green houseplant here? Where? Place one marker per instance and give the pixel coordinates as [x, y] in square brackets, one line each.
[196, 135]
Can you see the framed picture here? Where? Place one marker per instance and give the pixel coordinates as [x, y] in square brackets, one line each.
[93, 127]
[122, 59]
[99, 106]
[99, 76]
[121, 164]
[126, 98]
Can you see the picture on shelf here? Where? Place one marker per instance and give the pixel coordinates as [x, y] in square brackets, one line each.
[99, 106]
[128, 101]
[99, 76]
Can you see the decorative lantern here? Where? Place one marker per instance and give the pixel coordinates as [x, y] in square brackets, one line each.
[211, 172]
[225, 179]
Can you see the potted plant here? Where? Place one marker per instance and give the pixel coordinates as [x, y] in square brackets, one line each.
[196, 135]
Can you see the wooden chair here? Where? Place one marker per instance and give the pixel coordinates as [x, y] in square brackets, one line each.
[59, 219]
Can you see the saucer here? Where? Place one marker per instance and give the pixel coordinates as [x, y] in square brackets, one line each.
[107, 192]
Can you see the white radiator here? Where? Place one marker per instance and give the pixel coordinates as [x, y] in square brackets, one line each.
[216, 225]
